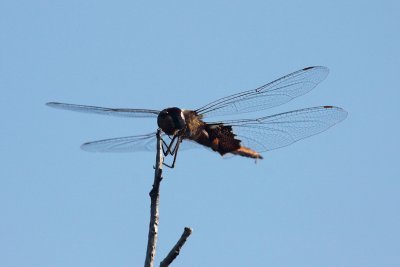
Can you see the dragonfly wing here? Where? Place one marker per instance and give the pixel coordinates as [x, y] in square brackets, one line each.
[269, 95]
[120, 112]
[146, 142]
[272, 132]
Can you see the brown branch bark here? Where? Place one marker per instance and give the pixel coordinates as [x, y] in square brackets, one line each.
[155, 200]
[177, 248]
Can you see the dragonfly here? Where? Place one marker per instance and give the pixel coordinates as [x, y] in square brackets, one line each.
[243, 137]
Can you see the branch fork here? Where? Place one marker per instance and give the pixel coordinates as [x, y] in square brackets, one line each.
[154, 216]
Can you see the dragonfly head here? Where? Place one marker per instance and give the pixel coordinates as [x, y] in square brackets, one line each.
[171, 120]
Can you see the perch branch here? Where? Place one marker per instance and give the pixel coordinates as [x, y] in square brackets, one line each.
[177, 248]
[155, 200]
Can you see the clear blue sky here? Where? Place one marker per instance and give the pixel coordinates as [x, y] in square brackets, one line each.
[330, 200]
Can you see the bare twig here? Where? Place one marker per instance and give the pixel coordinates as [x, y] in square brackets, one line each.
[154, 216]
[155, 200]
[177, 248]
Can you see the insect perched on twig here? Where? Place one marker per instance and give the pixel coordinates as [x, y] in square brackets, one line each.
[245, 137]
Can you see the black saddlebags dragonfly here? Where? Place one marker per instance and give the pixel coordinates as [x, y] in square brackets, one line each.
[244, 137]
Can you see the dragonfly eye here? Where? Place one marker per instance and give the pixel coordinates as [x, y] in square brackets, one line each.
[166, 122]
[170, 120]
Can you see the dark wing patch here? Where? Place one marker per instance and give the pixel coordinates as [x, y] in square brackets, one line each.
[222, 138]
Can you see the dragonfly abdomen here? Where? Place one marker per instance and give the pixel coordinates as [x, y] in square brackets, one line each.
[221, 139]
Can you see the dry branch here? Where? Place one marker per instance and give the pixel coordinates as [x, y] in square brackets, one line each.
[155, 200]
[154, 215]
[177, 248]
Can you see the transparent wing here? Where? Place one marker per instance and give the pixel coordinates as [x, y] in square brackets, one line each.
[267, 96]
[146, 142]
[272, 132]
[120, 112]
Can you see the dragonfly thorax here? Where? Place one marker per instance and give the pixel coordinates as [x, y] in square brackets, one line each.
[171, 120]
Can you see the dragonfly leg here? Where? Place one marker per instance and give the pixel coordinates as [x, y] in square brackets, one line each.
[175, 153]
[167, 149]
